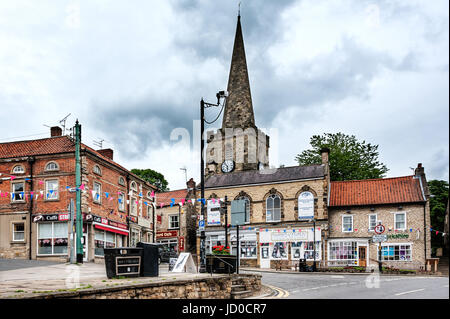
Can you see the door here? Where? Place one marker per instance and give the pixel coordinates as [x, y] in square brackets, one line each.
[264, 256]
[84, 241]
[362, 256]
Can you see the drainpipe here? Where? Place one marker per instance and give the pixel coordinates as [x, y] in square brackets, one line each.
[31, 161]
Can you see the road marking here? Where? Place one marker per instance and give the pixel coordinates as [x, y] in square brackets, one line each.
[281, 293]
[408, 292]
[337, 276]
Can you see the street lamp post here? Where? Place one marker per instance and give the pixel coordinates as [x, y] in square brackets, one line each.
[203, 105]
[314, 243]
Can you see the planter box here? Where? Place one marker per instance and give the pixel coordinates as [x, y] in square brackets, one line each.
[221, 264]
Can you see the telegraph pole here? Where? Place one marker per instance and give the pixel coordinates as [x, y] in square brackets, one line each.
[79, 221]
[202, 268]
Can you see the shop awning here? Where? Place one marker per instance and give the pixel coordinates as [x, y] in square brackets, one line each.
[111, 229]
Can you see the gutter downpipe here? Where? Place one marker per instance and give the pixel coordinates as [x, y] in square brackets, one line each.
[31, 160]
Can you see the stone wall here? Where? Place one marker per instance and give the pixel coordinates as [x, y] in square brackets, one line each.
[216, 287]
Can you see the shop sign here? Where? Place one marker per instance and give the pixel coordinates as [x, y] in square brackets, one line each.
[293, 236]
[398, 236]
[51, 218]
[180, 244]
[306, 206]
[213, 211]
[105, 221]
[166, 234]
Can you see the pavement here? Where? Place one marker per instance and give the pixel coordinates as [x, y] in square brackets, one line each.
[21, 278]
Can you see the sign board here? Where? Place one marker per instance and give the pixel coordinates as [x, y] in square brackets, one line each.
[306, 205]
[213, 211]
[172, 262]
[166, 234]
[201, 225]
[185, 263]
[379, 229]
[379, 238]
[238, 212]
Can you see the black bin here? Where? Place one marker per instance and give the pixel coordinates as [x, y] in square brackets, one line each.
[123, 261]
[150, 267]
[302, 265]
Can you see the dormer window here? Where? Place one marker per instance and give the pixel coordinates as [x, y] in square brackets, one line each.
[18, 169]
[97, 170]
[52, 166]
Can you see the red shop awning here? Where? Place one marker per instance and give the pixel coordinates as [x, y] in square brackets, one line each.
[111, 229]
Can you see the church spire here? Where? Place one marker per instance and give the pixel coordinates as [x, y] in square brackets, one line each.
[238, 108]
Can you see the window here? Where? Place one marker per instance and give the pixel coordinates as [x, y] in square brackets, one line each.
[279, 250]
[121, 181]
[247, 208]
[18, 169]
[248, 249]
[173, 221]
[396, 252]
[372, 222]
[103, 239]
[52, 238]
[18, 192]
[347, 224]
[51, 189]
[273, 208]
[343, 252]
[97, 170]
[135, 237]
[97, 193]
[133, 206]
[18, 232]
[305, 250]
[400, 221]
[121, 202]
[52, 166]
[133, 186]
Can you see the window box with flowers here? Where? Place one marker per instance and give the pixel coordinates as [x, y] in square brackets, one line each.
[220, 261]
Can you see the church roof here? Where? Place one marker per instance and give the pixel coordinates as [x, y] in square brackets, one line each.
[267, 176]
[238, 110]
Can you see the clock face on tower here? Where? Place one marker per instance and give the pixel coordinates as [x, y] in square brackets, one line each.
[227, 166]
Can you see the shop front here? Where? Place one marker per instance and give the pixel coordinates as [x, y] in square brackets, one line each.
[169, 239]
[348, 252]
[51, 234]
[289, 245]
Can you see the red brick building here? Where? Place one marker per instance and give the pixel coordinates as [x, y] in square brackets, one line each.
[36, 177]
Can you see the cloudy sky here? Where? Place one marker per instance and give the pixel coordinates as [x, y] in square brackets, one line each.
[133, 73]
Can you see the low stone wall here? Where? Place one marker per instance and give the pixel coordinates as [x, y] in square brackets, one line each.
[216, 287]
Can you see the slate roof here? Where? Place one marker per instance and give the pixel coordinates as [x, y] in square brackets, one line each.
[283, 174]
[376, 191]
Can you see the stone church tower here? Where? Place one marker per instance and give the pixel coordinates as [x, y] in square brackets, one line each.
[239, 145]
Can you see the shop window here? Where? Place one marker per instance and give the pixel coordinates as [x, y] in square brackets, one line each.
[396, 252]
[103, 239]
[305, 250]
[273, 208]
[173, 221]
[52, 238]
[52, 166]
[347, 224]
[372, 222]
[343, 252]
[51, 189]
[18, 169]
[400, 221]
[18, 232]
[279, 250]
[248, 249]
[18, 190]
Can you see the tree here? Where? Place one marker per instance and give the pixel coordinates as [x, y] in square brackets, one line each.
[438, 204]
[349, 158]
[153, 177]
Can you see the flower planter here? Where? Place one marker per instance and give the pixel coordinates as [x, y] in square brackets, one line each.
[221, 264]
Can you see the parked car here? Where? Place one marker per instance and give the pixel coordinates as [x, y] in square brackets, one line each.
[165, 254]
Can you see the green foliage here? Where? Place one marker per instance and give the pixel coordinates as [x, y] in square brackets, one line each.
[153, 177]
[349, 158]
[438, 204]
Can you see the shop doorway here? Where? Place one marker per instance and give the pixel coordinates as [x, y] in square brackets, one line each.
[362, 256]
[264, 256]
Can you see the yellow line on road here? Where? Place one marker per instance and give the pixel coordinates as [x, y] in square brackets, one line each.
[281, 293]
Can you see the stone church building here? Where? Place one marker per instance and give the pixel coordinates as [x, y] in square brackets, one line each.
[298, 212]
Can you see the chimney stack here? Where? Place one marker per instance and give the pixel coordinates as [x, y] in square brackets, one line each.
[419, 172]
[107, 152]
[55, 131]
[325, 152]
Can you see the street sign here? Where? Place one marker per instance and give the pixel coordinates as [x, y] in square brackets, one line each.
[379, 229]
[201, 225]
[379, 238]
